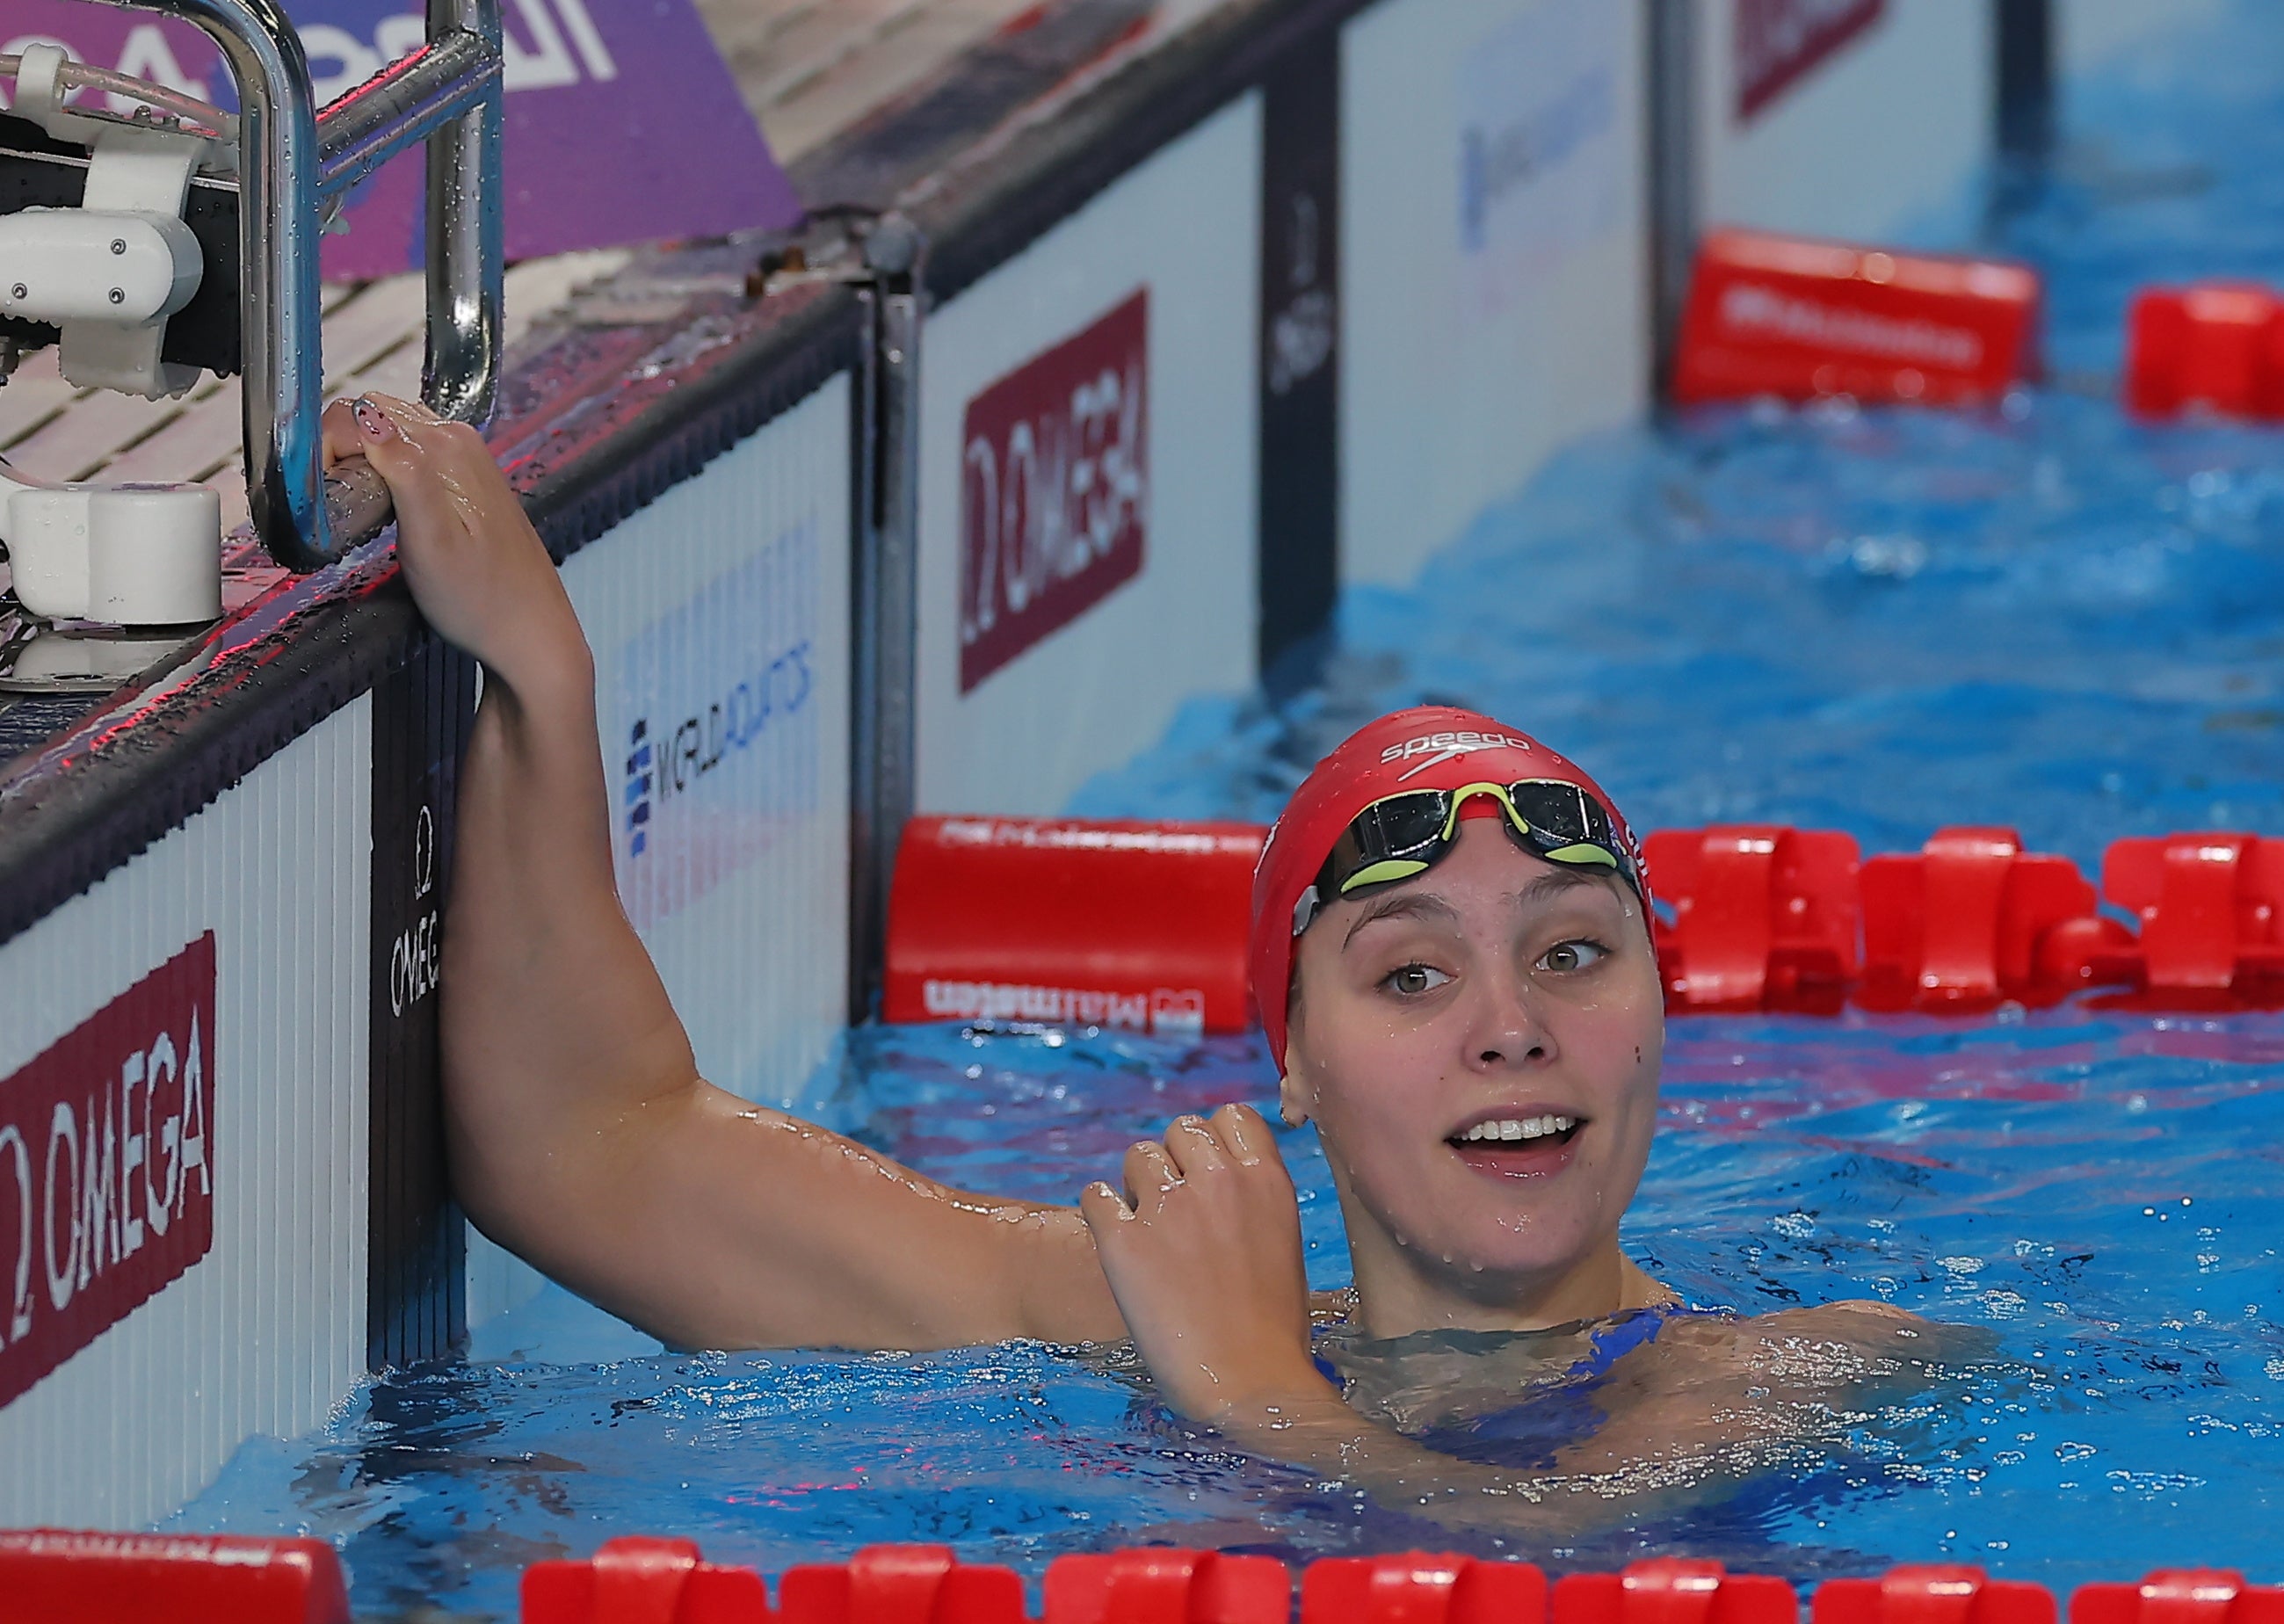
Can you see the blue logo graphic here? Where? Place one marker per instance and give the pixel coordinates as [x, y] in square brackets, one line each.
[638, 791]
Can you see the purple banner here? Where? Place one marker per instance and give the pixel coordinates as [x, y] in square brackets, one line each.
[623, 126]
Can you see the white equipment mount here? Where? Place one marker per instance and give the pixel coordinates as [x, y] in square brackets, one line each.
[108, 275]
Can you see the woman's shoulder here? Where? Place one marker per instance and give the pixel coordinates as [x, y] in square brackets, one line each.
[1871, 1337]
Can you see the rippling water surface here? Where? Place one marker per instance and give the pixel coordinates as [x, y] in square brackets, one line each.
[1880, 621]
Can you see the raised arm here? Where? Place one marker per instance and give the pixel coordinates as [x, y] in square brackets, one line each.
[580, 1135]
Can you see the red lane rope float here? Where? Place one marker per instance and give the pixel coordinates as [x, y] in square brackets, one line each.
[2179, 1596]
[169, 1578]
[1674, 1591]
[1142, 927]
[901, 1584]
[1120, 924]
[1418, 1587]
[1933, 1593]
[1177, 1586]
[1972, 918]
[1763, 915]
[2211, 908]
[2215, 347]
[638, 1580]
[1797, 319]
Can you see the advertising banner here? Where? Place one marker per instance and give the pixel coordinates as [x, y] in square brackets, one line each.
[623, 124]
[1540, 149]
[106, 1174]
[1055, 489]
[1778, 41]
[715, 709]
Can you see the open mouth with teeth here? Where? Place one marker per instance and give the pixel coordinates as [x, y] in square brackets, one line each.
[1518, 1147]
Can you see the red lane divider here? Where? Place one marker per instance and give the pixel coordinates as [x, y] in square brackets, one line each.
[1130, 924]
[642, 1581]
[1142, 926]
[1797, 318]
[1168, 1587]
[1972, 918]
[2179, 1596]
[901, 1584]
[1674, 1591]
[1417, 1587]
[1933, 1593]
[2209, 907]
[2217, 346]
[169, 1578]
[1763, 915]
[221, 1579]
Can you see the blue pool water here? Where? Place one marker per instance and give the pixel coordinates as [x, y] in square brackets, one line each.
[1880, 622]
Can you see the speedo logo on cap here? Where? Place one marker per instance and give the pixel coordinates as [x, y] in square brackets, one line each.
[1441, 747]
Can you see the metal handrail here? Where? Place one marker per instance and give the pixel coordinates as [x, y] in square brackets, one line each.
[291, 160]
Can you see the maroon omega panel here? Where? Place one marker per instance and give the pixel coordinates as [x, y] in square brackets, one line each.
[107, 1168]
[1055, 489]
[1778, 41]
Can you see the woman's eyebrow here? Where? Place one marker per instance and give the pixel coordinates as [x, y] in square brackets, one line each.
[1413, 904]
[1551, 884]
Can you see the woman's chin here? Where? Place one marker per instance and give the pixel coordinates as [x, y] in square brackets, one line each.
[1502, 1266]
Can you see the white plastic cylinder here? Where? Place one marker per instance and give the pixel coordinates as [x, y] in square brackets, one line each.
[155, 555]
[133, 555]
[47, 550]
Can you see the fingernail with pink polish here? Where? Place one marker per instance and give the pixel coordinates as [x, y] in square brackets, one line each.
[371, 421]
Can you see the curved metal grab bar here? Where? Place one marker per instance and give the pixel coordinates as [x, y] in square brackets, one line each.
[292, 158]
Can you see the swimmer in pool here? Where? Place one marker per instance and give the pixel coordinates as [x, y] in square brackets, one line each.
[1453, 956]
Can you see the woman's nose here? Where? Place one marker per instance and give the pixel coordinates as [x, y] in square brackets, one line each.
[1504, 1028]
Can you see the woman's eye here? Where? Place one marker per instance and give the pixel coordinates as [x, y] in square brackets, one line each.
[1565, 956]
[1412, 980]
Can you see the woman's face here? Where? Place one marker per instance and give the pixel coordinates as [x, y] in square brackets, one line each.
[1495, 994]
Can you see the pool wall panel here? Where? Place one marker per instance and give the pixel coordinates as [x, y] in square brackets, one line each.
[1879, 138]
[266, 1332]
[1181, 229]
[421, 713]
[1492, 244]
[1298, 531]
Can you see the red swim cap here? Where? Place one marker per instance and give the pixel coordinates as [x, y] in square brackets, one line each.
[1428, 747]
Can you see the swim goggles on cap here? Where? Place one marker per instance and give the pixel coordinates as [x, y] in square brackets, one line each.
[1402, 835]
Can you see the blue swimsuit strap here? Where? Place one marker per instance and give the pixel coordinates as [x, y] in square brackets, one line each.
[1622, 1332]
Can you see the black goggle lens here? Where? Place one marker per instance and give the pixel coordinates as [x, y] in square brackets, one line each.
[1563, 814]
[1400, 826]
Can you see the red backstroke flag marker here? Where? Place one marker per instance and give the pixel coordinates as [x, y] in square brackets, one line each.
[107, 1167]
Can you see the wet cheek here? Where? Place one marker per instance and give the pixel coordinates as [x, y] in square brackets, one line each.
[1610, 1058]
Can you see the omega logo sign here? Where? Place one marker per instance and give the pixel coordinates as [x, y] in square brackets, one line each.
[107, 1167]
[413, 967]
[1054, 485]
